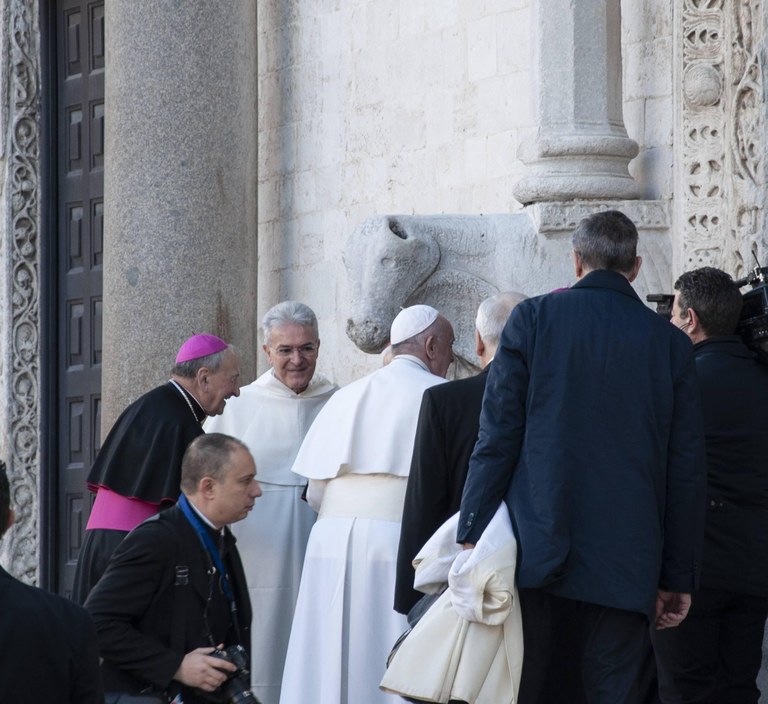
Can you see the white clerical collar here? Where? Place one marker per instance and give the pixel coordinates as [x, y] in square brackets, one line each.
[204, 518]
[412, 358]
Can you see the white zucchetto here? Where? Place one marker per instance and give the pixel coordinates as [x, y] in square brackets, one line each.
[411, 321]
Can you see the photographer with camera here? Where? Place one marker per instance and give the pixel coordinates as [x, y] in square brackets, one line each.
[172, 608]
[715, 654]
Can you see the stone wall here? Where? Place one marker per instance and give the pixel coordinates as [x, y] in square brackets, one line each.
[649, 108]
[416, 111]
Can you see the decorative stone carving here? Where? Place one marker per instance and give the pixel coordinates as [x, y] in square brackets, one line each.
[562, 217]
[703, 85]
[746, 243]
[721, 182]
[453, 262]
[21, 317]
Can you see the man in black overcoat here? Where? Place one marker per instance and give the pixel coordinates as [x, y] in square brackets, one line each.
[716, 654]
[445, 435]
[50, 652]
[591, 434]
[174, 589]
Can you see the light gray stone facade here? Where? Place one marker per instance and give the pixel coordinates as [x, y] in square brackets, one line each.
[369, 108]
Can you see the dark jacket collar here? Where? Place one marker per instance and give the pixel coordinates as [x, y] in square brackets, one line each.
[197, 410]
[604, 278]
[723, 344]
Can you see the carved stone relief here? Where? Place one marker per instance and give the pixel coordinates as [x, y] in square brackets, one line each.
[746, 243]
[453, 262]
[721, 183]
[21, 312]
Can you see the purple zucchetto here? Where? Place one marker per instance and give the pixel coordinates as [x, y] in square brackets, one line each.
[200, 346]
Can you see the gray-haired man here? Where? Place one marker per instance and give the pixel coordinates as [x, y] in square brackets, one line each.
[271, 417]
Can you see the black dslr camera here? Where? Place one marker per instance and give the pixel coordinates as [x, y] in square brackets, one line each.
[237, 688]
[753, 322]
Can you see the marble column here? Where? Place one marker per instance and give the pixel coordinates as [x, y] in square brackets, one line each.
[579, 148]
[180, 187]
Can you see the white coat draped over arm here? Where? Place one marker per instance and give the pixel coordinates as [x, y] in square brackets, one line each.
[469, 645]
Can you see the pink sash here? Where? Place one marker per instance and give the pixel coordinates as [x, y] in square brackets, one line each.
[111, 511]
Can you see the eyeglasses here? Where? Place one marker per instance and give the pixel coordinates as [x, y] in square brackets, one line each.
[308, 350]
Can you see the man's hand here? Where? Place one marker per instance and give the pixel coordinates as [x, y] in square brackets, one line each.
[467, 546]
[671, 608]
[199, 669]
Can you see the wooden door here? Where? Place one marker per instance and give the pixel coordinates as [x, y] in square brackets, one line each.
[79, 136]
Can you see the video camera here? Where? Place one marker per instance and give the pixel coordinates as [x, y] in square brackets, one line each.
[753, 323]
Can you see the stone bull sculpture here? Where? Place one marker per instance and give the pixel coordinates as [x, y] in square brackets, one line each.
[453, 262]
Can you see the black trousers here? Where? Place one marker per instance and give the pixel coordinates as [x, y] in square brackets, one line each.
[575, 652]
[713, 657]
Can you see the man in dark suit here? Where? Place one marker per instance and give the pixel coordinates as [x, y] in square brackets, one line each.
[591, 433]
[174, 589]
[50, 652]
[445, 435]
[715, 655]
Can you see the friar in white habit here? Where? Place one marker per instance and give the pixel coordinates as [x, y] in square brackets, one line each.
[272, 416]
[357, 455]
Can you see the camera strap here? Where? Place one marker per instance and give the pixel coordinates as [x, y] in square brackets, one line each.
[210, 547]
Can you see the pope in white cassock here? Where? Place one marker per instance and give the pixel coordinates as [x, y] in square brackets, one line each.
[271, 417]
[357, 455]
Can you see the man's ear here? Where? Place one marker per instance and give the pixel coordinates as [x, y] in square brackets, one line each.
[202, 377]
[11, 518]
[205, 486]
[479, 345]
[578, 265]
[694, 325]
[635, 269]
[429, 346]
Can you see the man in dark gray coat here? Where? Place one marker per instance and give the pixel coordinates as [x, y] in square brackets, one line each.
[591, 433]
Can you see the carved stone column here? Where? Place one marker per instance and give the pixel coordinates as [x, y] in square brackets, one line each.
[720, 159]
[180, 187]
[20, 282]
[580, 148]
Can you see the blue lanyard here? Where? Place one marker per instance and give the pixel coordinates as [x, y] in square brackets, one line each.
[209, 545]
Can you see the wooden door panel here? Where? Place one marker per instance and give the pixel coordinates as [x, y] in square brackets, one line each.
[79, 248]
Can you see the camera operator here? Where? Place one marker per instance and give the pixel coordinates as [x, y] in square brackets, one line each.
[174, 589]
[715, 654]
